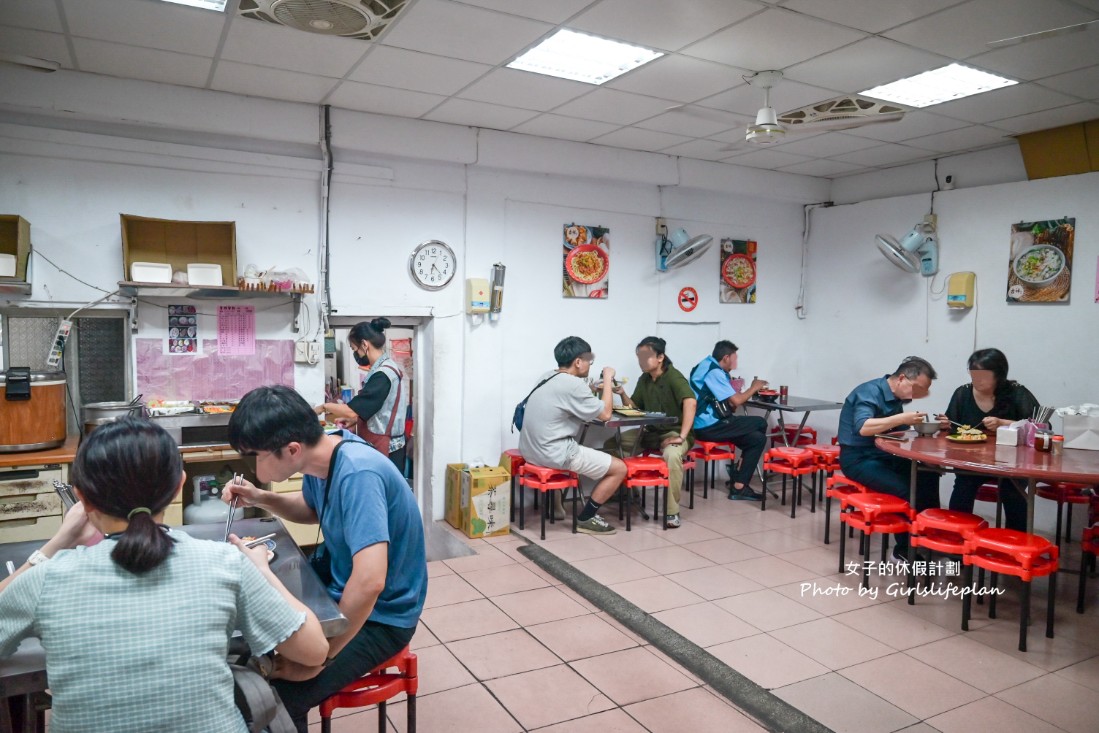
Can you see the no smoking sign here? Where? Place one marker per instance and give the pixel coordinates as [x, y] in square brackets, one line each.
[688, 299]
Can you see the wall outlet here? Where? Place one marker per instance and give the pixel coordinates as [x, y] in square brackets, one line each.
[315, 352]
[301, 352]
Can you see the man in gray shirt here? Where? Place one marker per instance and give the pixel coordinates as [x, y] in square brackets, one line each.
[555, 413]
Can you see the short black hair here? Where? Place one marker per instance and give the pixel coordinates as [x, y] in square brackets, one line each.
[723, 348]
[569, 349]
[913, 366]
[659, 347]
[269, 418]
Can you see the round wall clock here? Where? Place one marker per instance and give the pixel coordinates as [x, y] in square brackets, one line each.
[432, 264]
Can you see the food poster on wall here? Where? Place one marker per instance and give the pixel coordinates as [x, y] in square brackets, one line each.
[738, 271]
[586, 261]
[1040, 266]
[182, 330]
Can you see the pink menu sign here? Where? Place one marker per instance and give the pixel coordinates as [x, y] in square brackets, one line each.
[236, 330]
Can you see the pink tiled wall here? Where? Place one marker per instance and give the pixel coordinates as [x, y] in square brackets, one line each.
[210, 376]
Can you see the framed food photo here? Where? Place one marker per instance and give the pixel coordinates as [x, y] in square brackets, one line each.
[1039, 269]
[737, 273]
[585, 262]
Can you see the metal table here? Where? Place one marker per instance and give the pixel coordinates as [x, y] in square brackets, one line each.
[804, 405]
[24, 674]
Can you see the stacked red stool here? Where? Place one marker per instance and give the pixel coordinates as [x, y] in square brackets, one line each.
[1089, 548]
[828, 462]
[1065, 494]
[793, 436]
[643, 472]
[839, 487]
[544, 480]
[377, 687]
[872, 513]
[689, 466]
[795, 463]
[710, 453]
[945, 531]
[516, 462]
[1010, 552]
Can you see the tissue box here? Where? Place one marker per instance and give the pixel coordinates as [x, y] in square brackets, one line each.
[1007, 436]
[1081, 431]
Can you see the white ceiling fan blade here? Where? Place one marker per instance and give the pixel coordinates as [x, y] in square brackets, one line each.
[1051, 33]
[702, 113]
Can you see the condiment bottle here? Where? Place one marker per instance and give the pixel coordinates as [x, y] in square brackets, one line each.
[1043, 440]
[1058, 445]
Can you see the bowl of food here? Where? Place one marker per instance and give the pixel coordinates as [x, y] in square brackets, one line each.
[738, 271]
[926, 428]
[1039, 265]
[587, 264]
[967, 434]
[767, 395]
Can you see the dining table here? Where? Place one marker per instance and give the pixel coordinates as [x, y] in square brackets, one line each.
[790, 404]
[23, 675]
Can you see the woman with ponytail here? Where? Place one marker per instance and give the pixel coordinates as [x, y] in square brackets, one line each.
[379, 407]
[136, 618]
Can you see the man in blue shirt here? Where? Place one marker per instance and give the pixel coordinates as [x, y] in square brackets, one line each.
[373, 534]
[710, 381]
[876, 407]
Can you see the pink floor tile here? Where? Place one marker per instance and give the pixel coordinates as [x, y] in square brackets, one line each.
[611, 721]
[821, 559]
[546, 696]
[466, 620]
[912, 686]
[640, 538]
[447, 589]
[667, 560]
[614, 569]
[505, 579]
[437, 568]
[705, 624]
[1085, 673]
[892, 625]
[440, 670]
[454, 711]
[775, 541]
[692, 710]
[690, 531]
[579, 547]
[539, 606]
[767, 610]
[843, 706]
[830, 595]
[584, 636]
[632, 675]
[981, 666]
[990, 714]
[655, 594]
[724, 550]
[771, 571]
[767, 661]
[715, 582]
[1049, 654]
[831, 643]
[1057, 701]
[498, 655]
[487, 557]
[423, 638]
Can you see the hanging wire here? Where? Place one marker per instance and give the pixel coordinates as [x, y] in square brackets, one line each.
[66, 272]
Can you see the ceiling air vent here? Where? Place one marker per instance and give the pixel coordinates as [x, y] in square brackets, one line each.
[364, 19]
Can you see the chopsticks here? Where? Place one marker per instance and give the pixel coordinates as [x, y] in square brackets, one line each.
[956, 424]
[258, 540]
[65, 491]
[887, 436]
[237, 478]
[1041, 414]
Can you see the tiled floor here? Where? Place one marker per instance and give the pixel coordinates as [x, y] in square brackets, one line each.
[504, 646]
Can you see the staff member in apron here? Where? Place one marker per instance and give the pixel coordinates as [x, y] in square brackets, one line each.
[379, 407]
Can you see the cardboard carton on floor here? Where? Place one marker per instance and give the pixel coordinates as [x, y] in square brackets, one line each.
[478, 500]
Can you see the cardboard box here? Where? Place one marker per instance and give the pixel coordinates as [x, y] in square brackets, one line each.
[15, 240]
[478, 500]
[179, 244]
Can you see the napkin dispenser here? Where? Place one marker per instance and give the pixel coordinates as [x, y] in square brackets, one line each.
[1010, 434]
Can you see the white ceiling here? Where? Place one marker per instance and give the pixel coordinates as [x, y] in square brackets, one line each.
[444, 60]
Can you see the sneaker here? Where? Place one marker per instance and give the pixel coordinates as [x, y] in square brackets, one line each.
[900, 555]
[672, 521]
[595, 525]
[745, 494]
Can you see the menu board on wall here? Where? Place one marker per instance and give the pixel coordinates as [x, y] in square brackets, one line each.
[236, 330]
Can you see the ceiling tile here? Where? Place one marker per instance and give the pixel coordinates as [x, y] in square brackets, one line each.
[787, 95]
[864, 65]
[420, 72]
[285, 48]
[638, 139]
[914, 124]
[681, 123]
[700, 149]
[773, 39]
[464, 32]
[514, 88]
[1068, 115]
[609, 105]
[564, 128]
[873, 16]
[42, 16]
[149, 24]
[965, 138]
[479, 114]
[555, 12]
[678, 77]
[1046, 57]
[821, 168]
[259, 81]
[130, 62]
[964, 30]
[662, 24]
[382, 100]
[824, 145]
[884, 155]
[767, 158]
[39, 44]
[1083, 83]
[1002, 103]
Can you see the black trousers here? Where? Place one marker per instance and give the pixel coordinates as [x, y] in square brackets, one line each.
[879, 471]
[747, 432]
[374, 644]
[965, 494]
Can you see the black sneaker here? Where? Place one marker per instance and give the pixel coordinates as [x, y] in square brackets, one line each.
[900, 555]
[745, 494]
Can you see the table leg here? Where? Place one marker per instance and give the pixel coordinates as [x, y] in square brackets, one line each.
[911, 550]
[1032, 487]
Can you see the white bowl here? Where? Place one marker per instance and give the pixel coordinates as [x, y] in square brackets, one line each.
[1040, 250]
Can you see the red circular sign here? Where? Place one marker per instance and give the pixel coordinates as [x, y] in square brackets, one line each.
[688, 299]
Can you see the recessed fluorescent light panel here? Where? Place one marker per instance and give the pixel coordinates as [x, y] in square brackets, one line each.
[939, 85]
[218, 5]
[580, 57]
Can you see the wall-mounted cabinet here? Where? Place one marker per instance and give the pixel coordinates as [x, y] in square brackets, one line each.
[15, 251]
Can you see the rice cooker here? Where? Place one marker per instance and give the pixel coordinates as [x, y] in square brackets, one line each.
[32, 410]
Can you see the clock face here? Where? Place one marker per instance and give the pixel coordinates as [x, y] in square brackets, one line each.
[432, 264]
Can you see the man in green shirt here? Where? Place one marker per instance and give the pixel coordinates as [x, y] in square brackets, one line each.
[662, 388]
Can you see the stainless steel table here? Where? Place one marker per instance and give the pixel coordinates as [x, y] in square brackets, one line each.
[803, 405]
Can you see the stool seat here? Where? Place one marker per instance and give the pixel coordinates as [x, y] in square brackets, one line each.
[710, 452]
[945, 530]
[641, 464]
[515, 461]
[375, 688]
[543, 480]
[871, 504]
[838, 487]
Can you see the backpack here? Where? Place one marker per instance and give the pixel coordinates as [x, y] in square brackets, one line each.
[257, 701]
[721, 408]
[521, 408]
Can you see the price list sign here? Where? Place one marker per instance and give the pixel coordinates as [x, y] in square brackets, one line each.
[236, 330]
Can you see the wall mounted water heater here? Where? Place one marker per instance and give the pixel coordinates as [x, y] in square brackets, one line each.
[959, 289]
[478, 295]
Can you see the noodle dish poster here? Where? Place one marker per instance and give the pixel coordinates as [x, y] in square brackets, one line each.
[737, 272]
[1039, 269]
[585, 261]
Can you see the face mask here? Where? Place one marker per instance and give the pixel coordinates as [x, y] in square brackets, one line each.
[362, 360]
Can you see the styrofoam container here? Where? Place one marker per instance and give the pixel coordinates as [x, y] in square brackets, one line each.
[151, 272]
[7, 265]
[201, 273]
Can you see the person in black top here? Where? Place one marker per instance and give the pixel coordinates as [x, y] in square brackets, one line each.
[990, 401]
[379, 407]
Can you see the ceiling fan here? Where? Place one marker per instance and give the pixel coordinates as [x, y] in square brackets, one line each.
[1040, 35]
[839, 113]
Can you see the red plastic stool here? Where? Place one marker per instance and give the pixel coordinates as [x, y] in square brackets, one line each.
[828, 462]
[517, 461]
[795, 463]
[1089, 548]
[1010, 552]
[710, 453]
[544, 480]
[1064, 493]
[873, 513]
[642, 472]
[991, 492]
[793, 438]
[376, 687]
[945, 531]
[839, 487]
